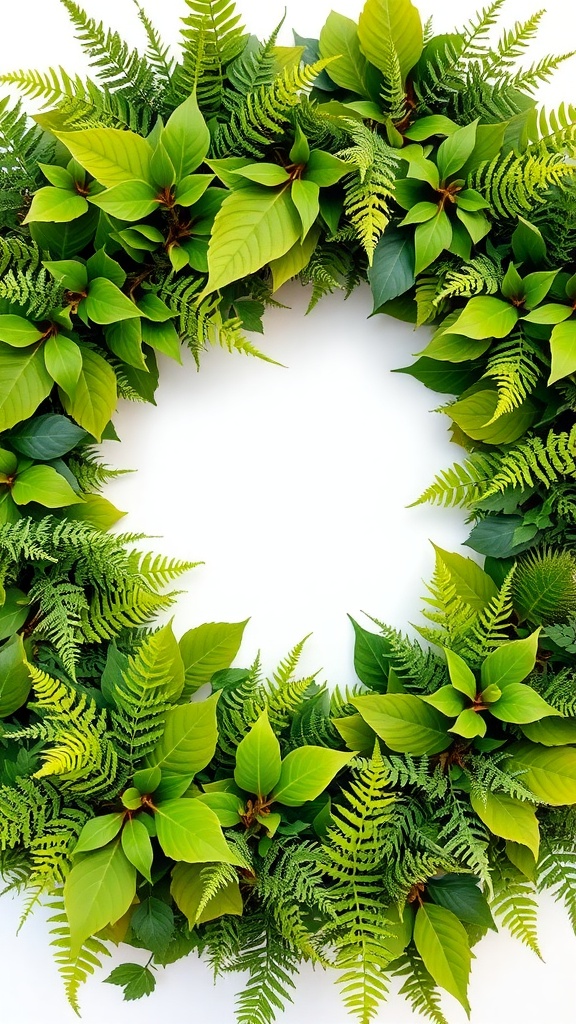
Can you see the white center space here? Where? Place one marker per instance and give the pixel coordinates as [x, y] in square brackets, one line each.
[291, 484]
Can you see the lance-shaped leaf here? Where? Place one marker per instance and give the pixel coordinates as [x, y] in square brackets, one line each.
[511, 662]
[15, 680]
[563, 350]
[521, 704]
[207, 649]
[24, 384]
[186, 138]
[95, 395]
[306, 773]
[189, 740]
[258, 761]
[405, 722]
[98, 832]
[549, 772]
[443, 944]
[339, 38]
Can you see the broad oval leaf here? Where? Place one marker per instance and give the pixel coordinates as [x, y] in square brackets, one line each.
[549, 772]
[461, 675]
[189, 740]
[18, 332]
[47, 437]
[339, 38]
[405, 722]
[128, 201]
[111, 155]
[510, 663]
[15, 679]
[44, 485]
[98, 832]
[95, 395]
[63, 359]
[305, 774]
[188, 889]
[24, 384]
[520, 704]
[56, 205]
[485, 317]
[391, 24]
[98, 891]
[258, 760]
[208, 649]
[508, 818]
[106, 304]
[188, 830]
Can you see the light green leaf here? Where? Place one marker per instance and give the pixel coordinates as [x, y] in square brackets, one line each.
[563, 351]
[226, 806]
[306, 199]
[137, 846]
[325, 169]
[356, 733]
[454, 348]
[537, 286]
[191, 189]
[551, 732]
[162, 337]
[508, 818]
[521, 704]
[339, 38]
[305, 774]
[455, 150]
[252, 227]
[295, 260]
[97, 511]
[443, 944]
[56, 205]
[528, 244]
[474, 414]
[98, 891]
[130, 200]
[187, 891]
[18, 332]
[124, 339]
[69, 273]
[24, 384]
[258, 760]
[431, 239]
[469, 724]
[511, 662]
[15, 680]
[485, 317]
[447, 700]
[14, 611]
[189, 740]
[405, 722]
[106, 304]
[426, 127]
[111, 155]
[95, 394]
[63, 360]
[391, 25]
[98, 832]
[189, 831]
[471, 583]
[147, 780]
[208, 649]
[461, 675]
[44, 485]
[186, 138]
[550, 772]
[264, 174]
[550, 313]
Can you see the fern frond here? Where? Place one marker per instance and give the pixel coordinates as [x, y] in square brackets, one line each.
[419, 986]
[212, 37]
[515, 904]
[74, 970]
[483, 275]
[517, 185]
[513, 368]
[271, 965]
[370, 187]
[157, 52]
[557, 871]
[253, 69]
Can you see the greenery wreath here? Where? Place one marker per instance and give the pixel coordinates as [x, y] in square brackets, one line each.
[378, 832]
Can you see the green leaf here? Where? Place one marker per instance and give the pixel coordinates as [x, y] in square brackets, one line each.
[440, 376]
[474, 414]
[528, 244]
[356, 734]
[186, 138]
[15, 680]
[187, 890]
[305, 196]
[405, 722]
[189, 739]
[508, 818]
[56, 205]
[97, 511]
[563, 351]
[191, 189]
[461, 675]
[44, 485]
[69, 273]
[419, 213]
[137, 846]
[252, 227]
[339, 38]
[550, 313]
[63, 360]
[324, 169]
[162, 337]
[485, 317]
[511, 662]
[537, 286]
[130, 201]
[443, 944]
[431, 239]
[153, 922]
[295, 260]
[521, 704]
[306, 773]
[469, 724]
[162, 169]
[391, 24]
[111, 155]
[447, 700]
[100, 264]
[95, 396]
[552, 732]
[455, 150]
[147, 780]
[461, 895]
[549, 772]
[392, 270]
[136, 980]
[47, 437]
[371, 657]
[98, 891]
[14, 611]
[226, 806]
[188, 830]
[98, 832]
[455, 348]
[258, 760]
[208, 649]
[18, 332]
[106, 304]
[426, 127]
[264, 174]
[24, 384]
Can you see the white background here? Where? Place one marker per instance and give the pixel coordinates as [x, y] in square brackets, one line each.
[291, 486]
